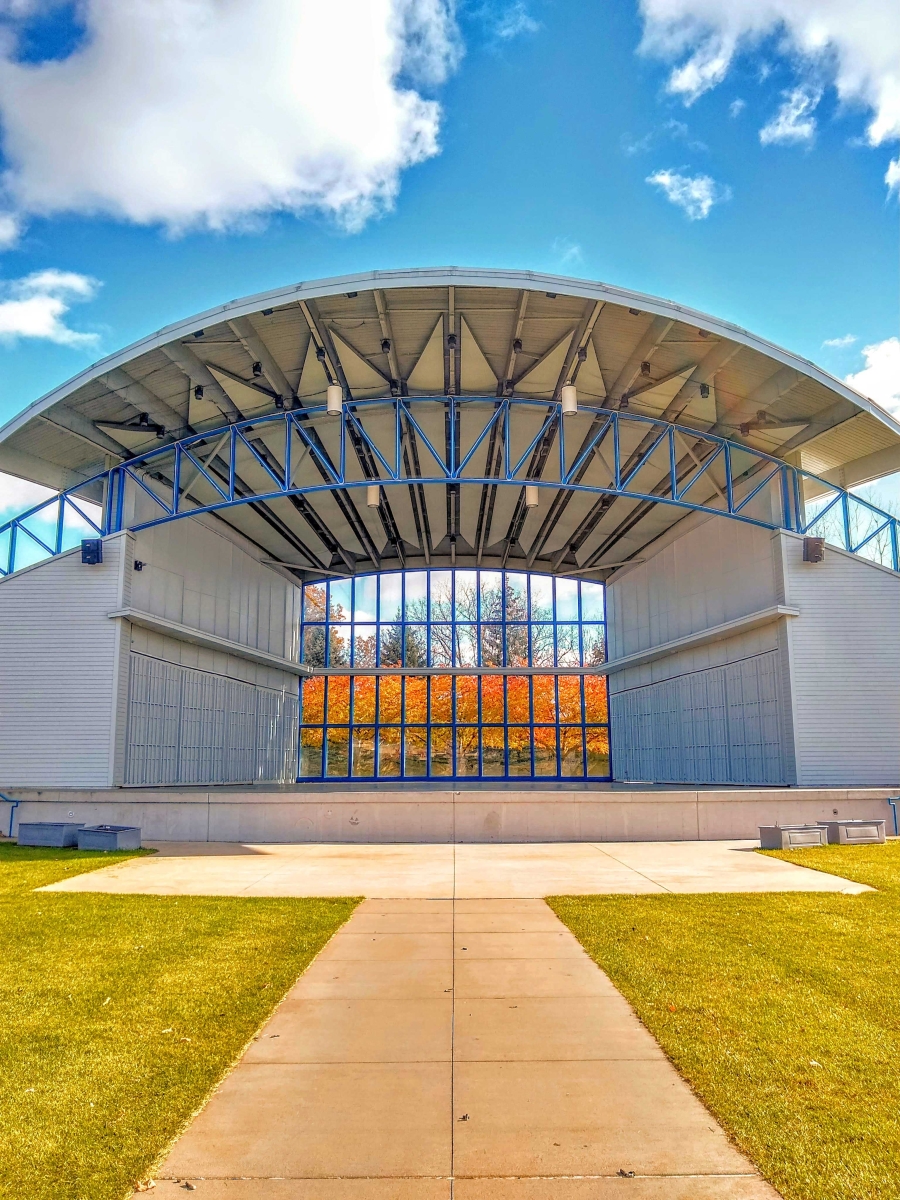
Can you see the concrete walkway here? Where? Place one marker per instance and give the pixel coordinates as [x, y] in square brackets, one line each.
[460, 1048]
[454, 871]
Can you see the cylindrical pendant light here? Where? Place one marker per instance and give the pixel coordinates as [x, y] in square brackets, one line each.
[569, 400]
[373, 495]
[531, 495]
[334, 400]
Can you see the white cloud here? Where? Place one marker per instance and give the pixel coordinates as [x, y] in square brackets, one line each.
[10, 228]
[514, 21]
[854, 45]
[880, 377]
[794, 121]
[696, 194]
[18, 495]
[566, 251]
[211, 113]
[892, 175]
[736, 107]
[840, 343]
[34, 307]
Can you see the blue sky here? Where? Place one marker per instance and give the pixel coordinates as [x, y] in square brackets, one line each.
[729, 164]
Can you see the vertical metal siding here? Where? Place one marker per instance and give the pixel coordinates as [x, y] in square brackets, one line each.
[187, 726]
[719, 725]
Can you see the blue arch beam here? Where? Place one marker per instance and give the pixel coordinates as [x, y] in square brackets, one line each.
[598, 453]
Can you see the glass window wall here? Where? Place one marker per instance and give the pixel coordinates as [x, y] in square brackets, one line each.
[464, 723]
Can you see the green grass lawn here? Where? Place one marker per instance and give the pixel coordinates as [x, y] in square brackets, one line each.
[118, 1014]
[781, 1010]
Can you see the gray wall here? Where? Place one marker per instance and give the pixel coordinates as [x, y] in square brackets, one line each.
[812, 700]
[76, 685]
[61, 663]
[845, 667]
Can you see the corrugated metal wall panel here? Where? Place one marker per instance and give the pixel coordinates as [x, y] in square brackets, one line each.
[191, 727]
[720, 725]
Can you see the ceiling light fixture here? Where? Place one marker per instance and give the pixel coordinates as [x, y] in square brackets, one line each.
[373, 495]
[531, 495]
[568, 399]
[334, 400]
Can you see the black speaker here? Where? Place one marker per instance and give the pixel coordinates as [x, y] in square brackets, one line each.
[92, 551]
[813, 550]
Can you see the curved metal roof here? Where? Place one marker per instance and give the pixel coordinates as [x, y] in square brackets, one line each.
[450, 330]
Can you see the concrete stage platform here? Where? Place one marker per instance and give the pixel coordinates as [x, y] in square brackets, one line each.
[479, 812]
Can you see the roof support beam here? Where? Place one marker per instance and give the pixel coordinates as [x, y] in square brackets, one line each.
[259, 352]
[84, 429]
[199, 373]
[143, 400]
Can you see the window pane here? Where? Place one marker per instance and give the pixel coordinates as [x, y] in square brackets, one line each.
[337, 753]
[441, 596]
[569, 699]
[545, 750]
[491, 646]
[516, 597]
[313, 697]
[466, 698]
[389, 605]
[465, 604]
[389, 691]
[571, 752]
[544, 697]
[442, 751]
[416, 600]
[541, 598]
[311, 753]
[415, 750]
[391, 648]
[491, 596]
[492, 755]
[363, 752]
[597, 751]
[364, 645]
[467, 750]
[365, 594]
[339, 605]
[417, 699]
[542, 645]
[519, 742]
[518, 705]
[441, 646]
[339, 645]
[567, 652]
[593, 639]
[465, 646]
[314, 646]
[339, 700]
[415, 651]
[592, 608]
[492, 700]
[314, 602]
[364, 699]
[595, 698]
[388, 753]
[567, 599]
[441, 699]
[516, 646]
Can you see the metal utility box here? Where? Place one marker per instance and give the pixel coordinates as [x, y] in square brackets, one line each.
[49, 833]
[853, 833]
[791, 837]
[92, 551]
[109, 837]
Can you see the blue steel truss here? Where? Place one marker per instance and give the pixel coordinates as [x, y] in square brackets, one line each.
[599, 452]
